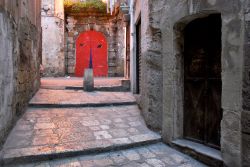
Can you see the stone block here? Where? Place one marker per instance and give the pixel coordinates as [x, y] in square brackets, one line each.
[102, 135]
[71, 70]
[70, 39]
[71, 62]
[44, 126]
[231, 120]
[245, 122]
[246, 150]
[71, 55]
[131, 155]
[88, 80]
[70, 46]
[126, 83]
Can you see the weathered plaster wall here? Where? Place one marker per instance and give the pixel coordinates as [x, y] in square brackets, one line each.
[121, 46]
[20, 57]
[112, 28]
[53, 59]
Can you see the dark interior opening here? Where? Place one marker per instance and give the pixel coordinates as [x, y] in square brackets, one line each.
[202, 80]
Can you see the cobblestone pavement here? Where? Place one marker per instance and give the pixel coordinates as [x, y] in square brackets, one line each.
[92, 132]
[48, 96]
[48, 131]
[156, 155]
[62, 82]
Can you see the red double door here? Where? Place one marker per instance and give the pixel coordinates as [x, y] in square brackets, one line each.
[91, 44]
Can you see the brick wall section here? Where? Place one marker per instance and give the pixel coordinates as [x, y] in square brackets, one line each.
[20, 56]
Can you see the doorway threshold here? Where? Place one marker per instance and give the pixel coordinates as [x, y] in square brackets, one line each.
[205, 154]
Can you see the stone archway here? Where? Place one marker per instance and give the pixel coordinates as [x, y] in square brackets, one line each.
[91, 50]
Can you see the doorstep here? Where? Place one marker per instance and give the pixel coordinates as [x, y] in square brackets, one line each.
[207, 155]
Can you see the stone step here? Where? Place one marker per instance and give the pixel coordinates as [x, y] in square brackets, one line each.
[123, 87]
[44, 153]
[49, 133]
[98, 88]
[101, 84]
[102, 88]
[157, 154]
[207, 155]
[78, 98]
[47, 105]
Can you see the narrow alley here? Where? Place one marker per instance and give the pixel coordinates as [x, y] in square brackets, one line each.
[124, 83]
[92, 128]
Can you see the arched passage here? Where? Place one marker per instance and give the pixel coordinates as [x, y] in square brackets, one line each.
[91, 46]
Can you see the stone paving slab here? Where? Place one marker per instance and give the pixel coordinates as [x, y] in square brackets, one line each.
[155, 155]
[77, 97]
[44, 133]
[62, 82]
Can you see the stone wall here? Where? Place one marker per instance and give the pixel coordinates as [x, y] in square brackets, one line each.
[111, 27]
[150, 97]
[20, 57]
[162, 65]
[180, 13]
[53, 59]
[246, 91]
[121, 47]
[151, 65]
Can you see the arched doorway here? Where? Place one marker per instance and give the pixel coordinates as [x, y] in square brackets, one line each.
[202, 80]
[91, 50]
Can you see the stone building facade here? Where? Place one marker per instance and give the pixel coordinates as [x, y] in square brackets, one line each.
[61, 29]
[20, 58]
[172, 32]
[53, 37]
[111, 27]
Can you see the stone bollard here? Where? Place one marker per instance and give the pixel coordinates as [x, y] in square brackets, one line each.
[88, 80]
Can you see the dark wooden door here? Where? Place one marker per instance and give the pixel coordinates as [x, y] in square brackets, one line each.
[202, 81]
[138, 57]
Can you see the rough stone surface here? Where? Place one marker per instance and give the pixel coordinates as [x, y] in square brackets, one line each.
[162, 66]
[50, 96]
[111, 27]
[88, 80]
[150, 97]
[53, 38]
[156, 155]
[20, 35]
[75, 129]
[63, 82]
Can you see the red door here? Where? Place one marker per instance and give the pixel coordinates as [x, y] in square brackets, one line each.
[91, 43]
